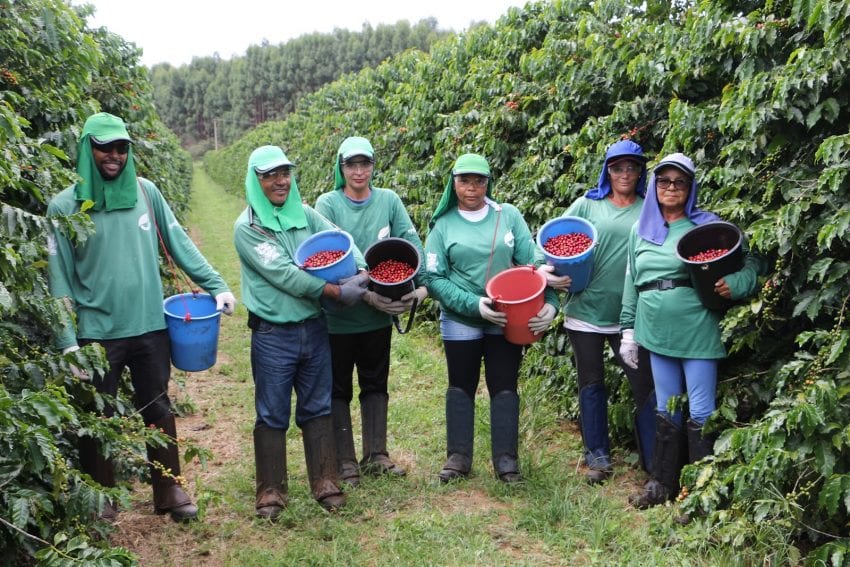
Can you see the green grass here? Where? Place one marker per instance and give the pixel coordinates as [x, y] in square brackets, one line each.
[552, 519]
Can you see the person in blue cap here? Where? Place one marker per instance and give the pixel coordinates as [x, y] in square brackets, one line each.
[111, 283]
[473, 238]
[593, 315]
[662, 312]
[361, 335]
[289, 334]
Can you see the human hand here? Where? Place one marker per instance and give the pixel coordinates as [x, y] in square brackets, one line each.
[225, 302]
[722, 288]
[560, 283]
[419, 294]
[385, 304]
[351, 290]
[78, 374]
[361, 277]
[629, 348]
[542, 320]
[489, 314]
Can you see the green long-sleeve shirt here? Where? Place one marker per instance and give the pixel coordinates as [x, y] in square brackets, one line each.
[274, 287]
[457, 255]
[113, 277]
[599, 303]
[673, 322]
[383, 215]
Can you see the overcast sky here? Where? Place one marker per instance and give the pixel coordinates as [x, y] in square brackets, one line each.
[174, 31]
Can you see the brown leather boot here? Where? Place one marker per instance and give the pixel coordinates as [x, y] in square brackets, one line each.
[376, 460]
[320, 454]
[168, 496]
[346, 459]
[270, 462]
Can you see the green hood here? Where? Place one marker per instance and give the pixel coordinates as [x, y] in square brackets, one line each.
[291, 213]
[467, 163]
[118, 193]
[350, 147]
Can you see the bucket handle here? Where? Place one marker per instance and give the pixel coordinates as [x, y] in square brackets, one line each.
[397, 323]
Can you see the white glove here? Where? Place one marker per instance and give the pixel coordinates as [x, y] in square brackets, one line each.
[561, 283]
[79, 374]
[542, 320]
[419, 294]
[489, 314]
[629, 348]
[385, 304]
[225, 302]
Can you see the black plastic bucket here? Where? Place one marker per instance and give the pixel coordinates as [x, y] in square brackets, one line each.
[397, 249]
[712, 235]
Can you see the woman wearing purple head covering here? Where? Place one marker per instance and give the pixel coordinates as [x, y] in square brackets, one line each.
[592, 316]
[662, 312]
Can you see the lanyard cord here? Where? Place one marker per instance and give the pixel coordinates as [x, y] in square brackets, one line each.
[498, 210]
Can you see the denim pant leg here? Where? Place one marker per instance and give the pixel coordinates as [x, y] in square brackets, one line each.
[668, 375]
[275, 354]
[701, 380]
[314, 379]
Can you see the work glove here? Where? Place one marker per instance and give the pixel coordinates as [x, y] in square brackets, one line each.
[629, 348]
[489, 314]
[382, 303]
[78, 374]
[553, 280]
[542, 320]
[351, 289]
[419, 294]
[225, 302]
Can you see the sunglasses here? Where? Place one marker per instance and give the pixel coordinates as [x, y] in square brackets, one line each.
[120, 146]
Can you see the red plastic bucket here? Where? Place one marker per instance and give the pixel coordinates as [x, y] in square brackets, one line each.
[518, 292]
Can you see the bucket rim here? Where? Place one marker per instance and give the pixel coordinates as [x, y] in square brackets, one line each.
[322, 234]
[533, 270]
[733, 250]
[393, 240]
[594, 236]
[194, 297]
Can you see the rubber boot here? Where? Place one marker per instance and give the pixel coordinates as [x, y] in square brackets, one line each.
[593, 410]
[101, 470]
[645, 432]
[376, 460]
[699, 444]
[504, 435]
[320, 455]
[668, 460]
[168, 496]
[346, 460]
[460, 422]
[270, 462]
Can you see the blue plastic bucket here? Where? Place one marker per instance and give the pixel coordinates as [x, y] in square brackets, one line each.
[328, 240]
[579, 267]
[194, 338]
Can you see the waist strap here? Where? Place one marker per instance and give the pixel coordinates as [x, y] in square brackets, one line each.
[662, 285]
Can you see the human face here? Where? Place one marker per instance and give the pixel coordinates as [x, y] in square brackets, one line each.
[676, 186]
[624, 175]
[470, 189]
[357, 172]
[276, 184]
[110, 159]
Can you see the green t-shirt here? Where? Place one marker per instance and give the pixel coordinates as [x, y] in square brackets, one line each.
[673, 322]
[457, 256]
[113, 277]
[381, 216]
[274, 287]
[599, 303]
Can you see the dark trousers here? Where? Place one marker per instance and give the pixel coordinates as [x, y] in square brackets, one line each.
[501, 364]
[369, 352]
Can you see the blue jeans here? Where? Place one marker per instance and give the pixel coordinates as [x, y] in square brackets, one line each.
[283, 357]
[673, 376]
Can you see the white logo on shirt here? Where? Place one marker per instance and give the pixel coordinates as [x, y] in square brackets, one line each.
[267, 252]
[145, 222]
[384, 232]
[431, 262]
[509, 239]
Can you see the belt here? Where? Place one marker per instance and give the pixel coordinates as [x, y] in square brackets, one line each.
[662, 285]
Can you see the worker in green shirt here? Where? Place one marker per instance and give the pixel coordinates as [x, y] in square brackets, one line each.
[361, 335]
[473, 238]
[111, 284]
[289, 333]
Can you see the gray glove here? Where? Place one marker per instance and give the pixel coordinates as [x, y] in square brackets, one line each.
[384, 304]
[419, 294]
[629, 348]
[489, 314]
[542, 320]
[351, 289]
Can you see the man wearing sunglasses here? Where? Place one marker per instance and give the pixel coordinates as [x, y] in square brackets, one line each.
[111, 287]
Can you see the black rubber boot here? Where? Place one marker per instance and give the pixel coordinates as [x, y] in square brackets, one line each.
[168, 496]
[668, 460]
[504, 435]
[699, 445]
[460, 422]
[320, 455]
[346, 459]
[101, 470]
[270, 462]
[376, 460]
